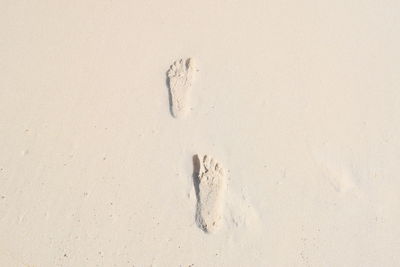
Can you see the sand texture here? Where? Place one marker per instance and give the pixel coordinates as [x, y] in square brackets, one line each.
[199, 133]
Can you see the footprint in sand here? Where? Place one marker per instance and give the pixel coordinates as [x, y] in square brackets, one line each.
[210, 185]
[179, 77]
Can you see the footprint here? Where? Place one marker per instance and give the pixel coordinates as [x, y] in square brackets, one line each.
[179, 77]
[210, 185]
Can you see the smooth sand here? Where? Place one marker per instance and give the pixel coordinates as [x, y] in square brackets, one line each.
[298, 100]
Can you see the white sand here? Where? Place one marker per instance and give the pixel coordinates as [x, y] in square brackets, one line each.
[298, 100]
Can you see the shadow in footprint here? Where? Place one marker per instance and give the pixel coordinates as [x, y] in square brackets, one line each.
[167, 83]
[195, 175]
[196, 182]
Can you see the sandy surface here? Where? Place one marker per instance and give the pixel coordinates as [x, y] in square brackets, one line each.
[298, 100]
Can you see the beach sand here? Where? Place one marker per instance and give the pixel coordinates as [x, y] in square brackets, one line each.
[298, 101]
